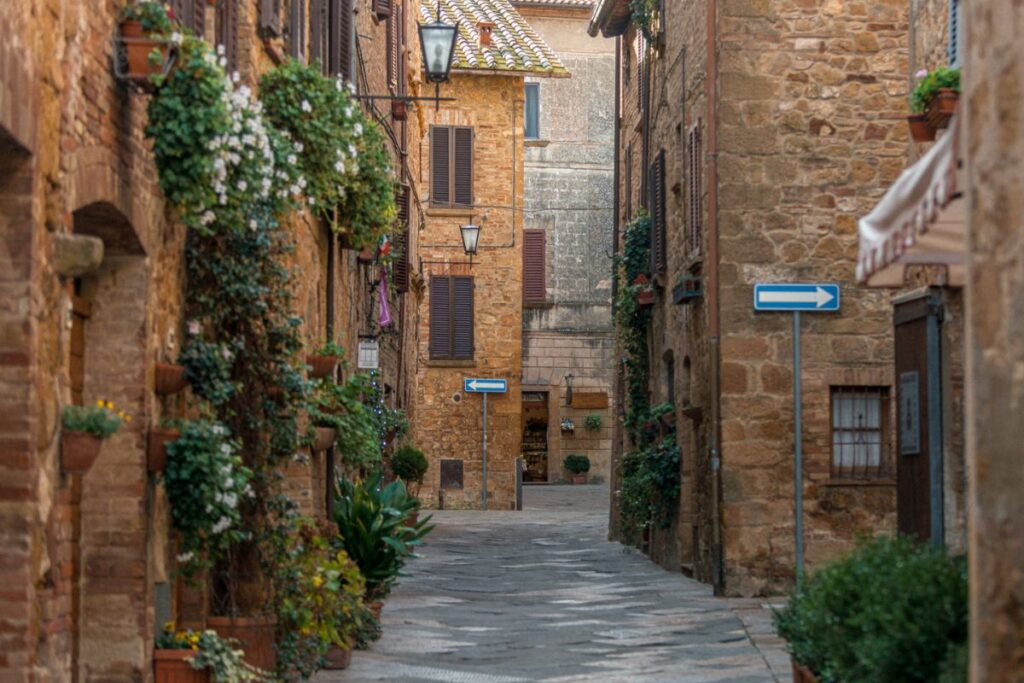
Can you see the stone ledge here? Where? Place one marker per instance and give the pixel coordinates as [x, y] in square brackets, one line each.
[434, 363]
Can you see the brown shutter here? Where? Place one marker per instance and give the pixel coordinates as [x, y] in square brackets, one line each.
[629, 182]
[394, 45]
[382, 8]
[297, 29]
[534, 266]
[340, 38]
[319, 23]
[695, 195]
[463, 176]
[402, 240]
[270, 17]
[656, 188]
[462, 306]
[440, 317]
[227, 30]
[191, 14]
[440, 166]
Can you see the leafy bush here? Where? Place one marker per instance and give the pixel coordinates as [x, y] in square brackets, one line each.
[208, 368]
[593, 422]
[889, 612]
[649, 487]
[954, 667]
[102, 419]
[409, 464]
[372, 527]
[340, 405]
[929, 84]
[577, 464]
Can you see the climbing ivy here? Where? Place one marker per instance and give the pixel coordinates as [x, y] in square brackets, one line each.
[644, 14]
[632, 320]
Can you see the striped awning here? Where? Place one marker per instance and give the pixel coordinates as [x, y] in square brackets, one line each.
[922, 220]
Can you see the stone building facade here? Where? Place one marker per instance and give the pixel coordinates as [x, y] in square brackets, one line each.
[776, 126]
[88, 562]
[470, 311]
[568, 209]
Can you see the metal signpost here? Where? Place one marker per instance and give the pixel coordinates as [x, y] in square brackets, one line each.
[793, 297]
[479, 385]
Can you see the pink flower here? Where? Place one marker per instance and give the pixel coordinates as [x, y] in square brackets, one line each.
[921, 74]
[193, 327]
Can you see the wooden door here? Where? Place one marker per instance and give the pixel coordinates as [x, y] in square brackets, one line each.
[917, 386]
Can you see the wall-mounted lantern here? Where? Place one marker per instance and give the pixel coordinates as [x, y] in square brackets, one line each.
[437, 40]
[568, 388]
[470, 238]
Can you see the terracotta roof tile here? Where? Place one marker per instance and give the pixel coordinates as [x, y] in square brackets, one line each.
[515, 46]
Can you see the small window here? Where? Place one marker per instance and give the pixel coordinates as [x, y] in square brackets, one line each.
[451, 317]
[861, 443]
[451, 166]
[531, 115]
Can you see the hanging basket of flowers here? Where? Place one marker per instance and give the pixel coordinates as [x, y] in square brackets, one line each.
[933, 102]
[142, 50]
[85, 428]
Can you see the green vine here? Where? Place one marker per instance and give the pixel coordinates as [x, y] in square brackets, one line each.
[649, 491]
[632, 321]
[644, 13]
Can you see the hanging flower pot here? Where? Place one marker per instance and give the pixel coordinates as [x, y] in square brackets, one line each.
[78, 451]
[321, 366]
[940, 109]
[338, 658]
[367, 255]
[645, 297]
[172, 666]
[136, 49]
[170, 378]
[399, 110]
[920, 130]
[156, 447]
[579, 479]
[324, 438]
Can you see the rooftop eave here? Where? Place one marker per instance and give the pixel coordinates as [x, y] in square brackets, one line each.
[610, 18]
[535, 73]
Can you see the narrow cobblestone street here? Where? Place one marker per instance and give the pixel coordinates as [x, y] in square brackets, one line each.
[541, 595]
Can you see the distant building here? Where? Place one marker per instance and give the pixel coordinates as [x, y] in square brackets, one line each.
[567, 267]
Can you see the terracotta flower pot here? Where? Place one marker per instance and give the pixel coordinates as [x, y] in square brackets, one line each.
[399, 110]
[645, 297]
[940, 109]
[920, 130]
[801, 674]
[321, 366]
[156, 447]
[78, 451]
[172, 666]
[337, 658]
[412, 519]
[324, 438]
[578, 479]
[367, 254]
[376, 607]
[137, 48]
[255, 634]
[170, 378]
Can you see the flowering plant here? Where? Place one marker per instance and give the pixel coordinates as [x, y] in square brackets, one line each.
[206, 484]
[102, 419]
[929, 83]
[339, 405]
[224, 659]
[208, 368]
[154, 16]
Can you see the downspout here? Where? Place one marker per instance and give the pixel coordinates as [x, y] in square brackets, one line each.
[613, 508]
[329, 332]
[717, 551]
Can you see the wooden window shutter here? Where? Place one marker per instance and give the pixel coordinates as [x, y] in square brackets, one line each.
[340, 39]
[695, 195]
[658, 209]
[462, 318]
[440, 317]
[227, 30]
[393, 28]
[463, 163]
[270, 17]
[534, 266]
[629, 182]
[440, 165]
[402, 240]
[297, 29]
[319, 23]
[382, 8]
[191, 14]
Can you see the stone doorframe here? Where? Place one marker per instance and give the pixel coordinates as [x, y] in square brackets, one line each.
[554, 429]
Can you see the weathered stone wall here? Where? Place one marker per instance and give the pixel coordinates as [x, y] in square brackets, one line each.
[448, 427]
[569, 194]
[995, 395]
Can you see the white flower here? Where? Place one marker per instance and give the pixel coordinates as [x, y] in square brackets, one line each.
[306, 106]
[252, 225]
[348, 112]
[225, 448]
[357, 129]
[242, 185]
[220, 50]
[222, 525]
[339, 166]
[292, 159]
[299, 147]
[226, 354]
[312, 202]
[193, 327]
[301, 182]
[176, 38]
[353, 152]
[186, 557]
[235, 77]
[352, 88]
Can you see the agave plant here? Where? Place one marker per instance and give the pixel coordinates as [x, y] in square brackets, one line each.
[373, 521]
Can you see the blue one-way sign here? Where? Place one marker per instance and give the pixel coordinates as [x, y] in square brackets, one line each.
[796, 297]
[478, 385]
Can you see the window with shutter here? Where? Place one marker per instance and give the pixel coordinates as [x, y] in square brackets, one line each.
[319, 22]
[340, 37]
[451, 318]
[629, 182]
[227, 31]
[382, 8]
[451, 166]
[659, 236]
[534, 266]
[641, 70]
[270, 17]
[191, 14]
[695, 194]
[297, 29]
[401, 262]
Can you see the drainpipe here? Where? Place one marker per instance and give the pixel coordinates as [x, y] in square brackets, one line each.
[329, 332]
[717, 551]
[613, 474]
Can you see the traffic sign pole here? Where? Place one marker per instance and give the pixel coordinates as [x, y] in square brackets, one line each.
[483, 493]
[798, 464]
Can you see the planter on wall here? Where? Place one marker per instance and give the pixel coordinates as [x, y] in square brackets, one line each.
[321, 366]
[78, 451]
[940, 109]
[156, 447]
[256, 635]
[170, 379]
[172, 666]
[324, 438]
[136, 46]
[920, 129]
[645, 297]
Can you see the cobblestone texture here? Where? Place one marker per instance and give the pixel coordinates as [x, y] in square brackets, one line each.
[542, 596]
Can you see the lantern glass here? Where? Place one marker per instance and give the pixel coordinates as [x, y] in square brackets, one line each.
[437, 40]
[470, 237]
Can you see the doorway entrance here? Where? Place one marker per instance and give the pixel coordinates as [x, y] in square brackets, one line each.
[535, 436]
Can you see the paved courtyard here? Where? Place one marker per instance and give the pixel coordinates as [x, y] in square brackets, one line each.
[541, 595]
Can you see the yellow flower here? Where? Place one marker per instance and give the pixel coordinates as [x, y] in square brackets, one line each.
[99, 403]
[317, 581]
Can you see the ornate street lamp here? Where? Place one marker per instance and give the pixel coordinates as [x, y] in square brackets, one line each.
[470, 238]
[437, 41]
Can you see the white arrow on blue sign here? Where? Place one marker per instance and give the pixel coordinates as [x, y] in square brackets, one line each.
[478, 385]
[796, 297]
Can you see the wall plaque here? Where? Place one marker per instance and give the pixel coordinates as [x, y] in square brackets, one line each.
[594, 400]
[910, 413]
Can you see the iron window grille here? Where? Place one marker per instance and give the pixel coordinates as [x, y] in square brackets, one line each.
[861, 433]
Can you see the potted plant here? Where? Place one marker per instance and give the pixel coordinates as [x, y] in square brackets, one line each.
[568, 425]
[410, 465]
[643, 290]
[85, 428]
[893, 610]
[933, 102]
[170, 379]
[323, 361]
[197, 656]
[687, 289]
[156, 444]
[593, 422]
[325, 437]
[577, 466]
[145, 55]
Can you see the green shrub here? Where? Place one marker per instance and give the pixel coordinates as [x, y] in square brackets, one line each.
[577, 464]
[101, 420]
[409, 464]
[593, 422]
[648, 488]
[887, 613]
[954, 667]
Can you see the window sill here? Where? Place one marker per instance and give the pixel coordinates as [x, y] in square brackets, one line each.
[451, 211]
[547, 303]
[440, 363]
[536, 142]
[858, 482]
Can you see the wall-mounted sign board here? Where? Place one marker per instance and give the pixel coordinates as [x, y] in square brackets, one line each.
[592, 400]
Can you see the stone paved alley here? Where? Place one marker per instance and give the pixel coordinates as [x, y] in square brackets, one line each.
[543, 596]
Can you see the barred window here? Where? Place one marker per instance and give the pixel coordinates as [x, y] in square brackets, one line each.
[861, 442]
